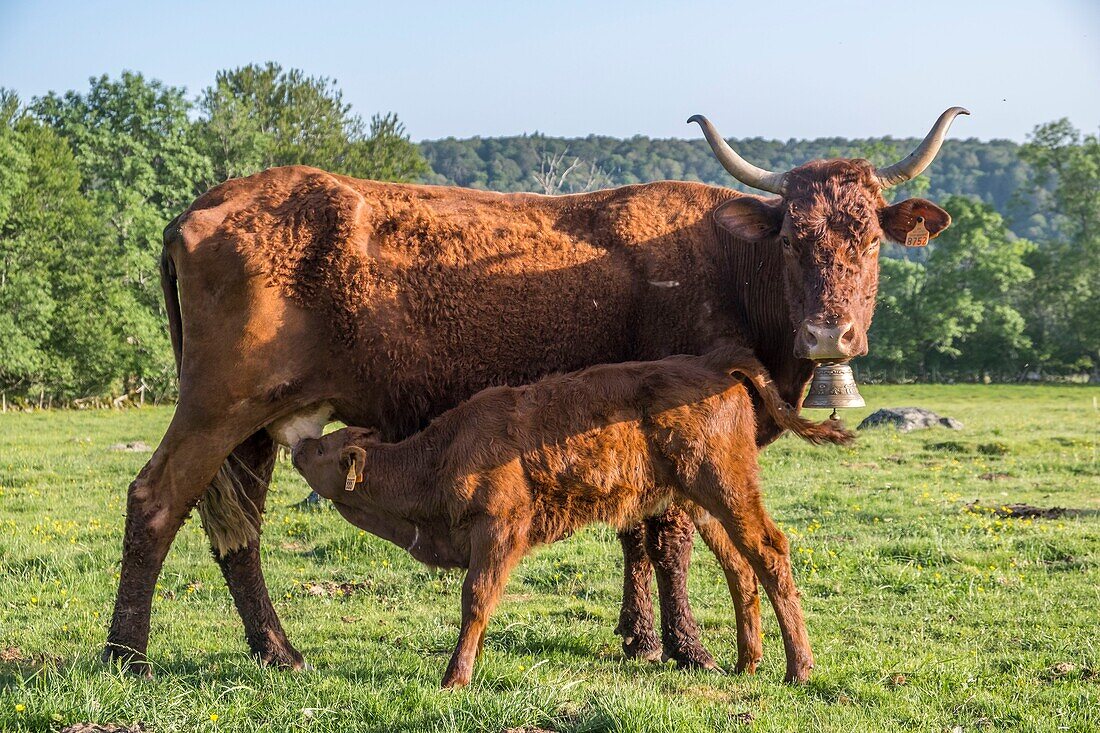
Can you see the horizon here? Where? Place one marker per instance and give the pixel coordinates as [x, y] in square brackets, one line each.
[500, 71]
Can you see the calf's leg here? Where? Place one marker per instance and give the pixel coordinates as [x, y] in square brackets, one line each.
[668, 544]
[493, 555]
[735, 501]
[741, 581]
[636, 617]
[251, 465]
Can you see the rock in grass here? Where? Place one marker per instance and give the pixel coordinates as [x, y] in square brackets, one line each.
[137, 446]
[313, 502]
[906, 419]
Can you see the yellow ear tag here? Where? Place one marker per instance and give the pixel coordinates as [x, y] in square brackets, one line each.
[349, 485]
[918, 235]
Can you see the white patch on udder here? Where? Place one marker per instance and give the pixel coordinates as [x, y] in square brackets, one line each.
[307, 423]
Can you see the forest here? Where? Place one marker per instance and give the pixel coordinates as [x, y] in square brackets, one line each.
[89, 178]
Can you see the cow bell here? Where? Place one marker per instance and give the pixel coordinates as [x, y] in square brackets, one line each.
[833, 386]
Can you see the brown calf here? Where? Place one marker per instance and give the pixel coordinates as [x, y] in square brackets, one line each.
[515, 467]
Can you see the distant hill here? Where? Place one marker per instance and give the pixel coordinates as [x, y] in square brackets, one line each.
[990, 171]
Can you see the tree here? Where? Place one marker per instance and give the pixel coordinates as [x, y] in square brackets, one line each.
[958, 311]
[979, 260]
[1063, 312]
[386, 153]
[255, 117]
[54, 273]
[557, 175]
[24, 301]
[899, 334]
[139, 166]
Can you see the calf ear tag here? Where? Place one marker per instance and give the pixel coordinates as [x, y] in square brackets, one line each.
[918, 235]
[349, 485]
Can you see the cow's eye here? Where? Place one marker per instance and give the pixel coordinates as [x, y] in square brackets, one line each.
[786, 241]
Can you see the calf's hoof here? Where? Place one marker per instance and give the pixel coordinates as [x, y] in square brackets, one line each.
[643, 646]
[128, 660]
[798, 674]
[455, 681]
[746, 666]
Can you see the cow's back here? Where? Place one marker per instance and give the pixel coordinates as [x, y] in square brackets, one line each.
[426, 294]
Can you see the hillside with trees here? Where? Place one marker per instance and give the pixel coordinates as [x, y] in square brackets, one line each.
[89, 178]
[993, 172]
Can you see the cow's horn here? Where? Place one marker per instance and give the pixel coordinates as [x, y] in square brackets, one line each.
[737, 166]
[912, 166]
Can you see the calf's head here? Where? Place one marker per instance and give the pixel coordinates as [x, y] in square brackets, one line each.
[335, 462]
[829, 221]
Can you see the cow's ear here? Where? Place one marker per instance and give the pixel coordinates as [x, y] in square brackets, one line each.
[900, 219]
[750, 219]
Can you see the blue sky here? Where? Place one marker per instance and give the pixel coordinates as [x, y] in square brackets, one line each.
[773, 68]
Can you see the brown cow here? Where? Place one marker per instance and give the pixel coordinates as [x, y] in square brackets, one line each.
[515, 467]
[295, 296]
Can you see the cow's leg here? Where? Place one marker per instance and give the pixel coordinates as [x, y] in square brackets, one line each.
[668, 544]
[636, 617]
[158, 502]
[741, 581]
[251, 465]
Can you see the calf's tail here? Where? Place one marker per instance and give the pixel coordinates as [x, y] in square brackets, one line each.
[745, 363]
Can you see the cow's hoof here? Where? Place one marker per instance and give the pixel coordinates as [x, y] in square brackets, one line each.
[692, 657]
[644, 646]
[286, 658]
[127, 660]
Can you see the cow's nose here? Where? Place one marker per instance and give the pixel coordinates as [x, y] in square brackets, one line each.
[822, 343]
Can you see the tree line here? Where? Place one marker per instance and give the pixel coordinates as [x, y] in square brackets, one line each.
[89, 178]
[88, 181]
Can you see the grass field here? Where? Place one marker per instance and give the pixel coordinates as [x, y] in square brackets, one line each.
[924, 615]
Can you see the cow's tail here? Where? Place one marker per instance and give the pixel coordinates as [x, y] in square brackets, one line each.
[169, 285]
[229, 517]
[744, 362]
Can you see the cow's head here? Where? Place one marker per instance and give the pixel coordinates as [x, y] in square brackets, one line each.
[829, 221]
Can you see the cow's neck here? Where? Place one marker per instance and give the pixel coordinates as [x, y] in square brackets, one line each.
[753, 281]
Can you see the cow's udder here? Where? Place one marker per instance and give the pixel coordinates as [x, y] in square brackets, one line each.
[309, 422]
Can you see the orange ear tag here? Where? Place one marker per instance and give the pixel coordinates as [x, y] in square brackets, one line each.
[918, 235]
[349, 485]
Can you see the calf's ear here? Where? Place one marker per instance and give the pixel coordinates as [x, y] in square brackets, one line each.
[900, 219]
[749, 218]
[353, 459]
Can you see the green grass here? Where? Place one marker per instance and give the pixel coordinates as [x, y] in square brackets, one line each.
[924, 615]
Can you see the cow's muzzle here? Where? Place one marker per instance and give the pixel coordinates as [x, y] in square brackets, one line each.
[822, 342]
